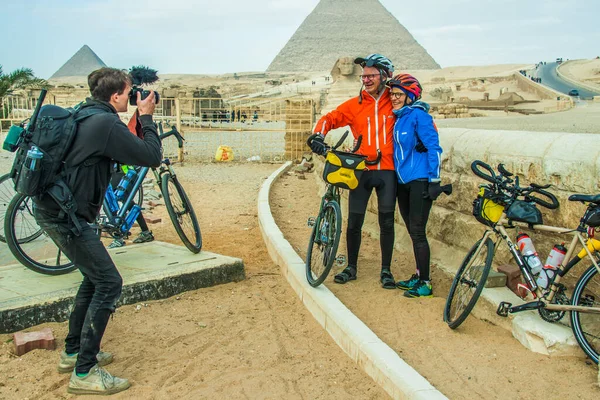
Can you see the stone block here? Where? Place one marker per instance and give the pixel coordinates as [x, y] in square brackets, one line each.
[495, 279]
[152, 219]
[156, 203]
[27, 341]
[513, 276]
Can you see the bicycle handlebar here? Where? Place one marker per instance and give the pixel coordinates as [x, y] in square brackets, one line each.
[505, 183]
[354, 150]
[172, 132]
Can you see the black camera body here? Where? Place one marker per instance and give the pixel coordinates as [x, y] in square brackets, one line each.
[145, 93]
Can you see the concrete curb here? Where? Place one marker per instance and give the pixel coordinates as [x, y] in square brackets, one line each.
[375, 357]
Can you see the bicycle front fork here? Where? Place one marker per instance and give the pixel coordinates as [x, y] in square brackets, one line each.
[323, 239]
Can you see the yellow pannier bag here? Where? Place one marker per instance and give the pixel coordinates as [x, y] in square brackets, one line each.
[485, 209]
[224, 153]
[343, 169]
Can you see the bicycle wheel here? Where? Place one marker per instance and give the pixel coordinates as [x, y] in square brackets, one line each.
[7, 192]
[181, 213]
[323, 243]
[41, 254]
[468, 283]
[586, 326]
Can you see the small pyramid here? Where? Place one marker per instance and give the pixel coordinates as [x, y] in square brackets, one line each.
[81, 64]
[339, 28]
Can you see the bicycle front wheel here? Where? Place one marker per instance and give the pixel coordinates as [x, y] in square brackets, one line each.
[468, 283]
[323, 243]
[181, 213]
[39, 254]
[586, 326]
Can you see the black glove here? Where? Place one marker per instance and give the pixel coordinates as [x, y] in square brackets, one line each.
[420, 147]
[318, 146]
[435, 189]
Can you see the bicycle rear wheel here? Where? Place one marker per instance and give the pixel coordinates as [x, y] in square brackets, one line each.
[468, 283]
[323, 243]
[181, 213]
[7, 192]
[39, 254]
[586, 326]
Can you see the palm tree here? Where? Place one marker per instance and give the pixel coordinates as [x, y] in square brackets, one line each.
[18, 79]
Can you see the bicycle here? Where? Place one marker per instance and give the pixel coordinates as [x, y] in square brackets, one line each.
[342, 171]
[7, 192]
[44, 257]
[497, 206]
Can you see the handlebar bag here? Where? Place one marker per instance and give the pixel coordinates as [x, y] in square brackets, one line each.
[343, 169]
[592, 217]
[487, 207]
[523, 211]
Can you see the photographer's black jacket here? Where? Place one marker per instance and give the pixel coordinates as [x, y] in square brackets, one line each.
[101, 140]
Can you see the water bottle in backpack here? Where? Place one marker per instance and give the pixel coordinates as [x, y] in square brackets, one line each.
[555, 258]
[29, 177]
[529, 254]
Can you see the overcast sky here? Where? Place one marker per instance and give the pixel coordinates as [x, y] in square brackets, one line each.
[213, 37]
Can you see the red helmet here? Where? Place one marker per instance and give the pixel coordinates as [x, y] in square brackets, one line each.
[409, 85]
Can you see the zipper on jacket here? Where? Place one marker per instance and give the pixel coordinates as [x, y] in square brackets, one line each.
[384, 130]
[377, 127]
[398, 161]
[369, 131]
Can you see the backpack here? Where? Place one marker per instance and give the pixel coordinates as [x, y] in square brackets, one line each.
[52, 133]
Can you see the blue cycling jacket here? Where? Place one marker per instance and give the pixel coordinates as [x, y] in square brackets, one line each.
[412, 122]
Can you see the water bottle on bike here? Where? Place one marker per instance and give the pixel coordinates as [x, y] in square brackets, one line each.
[529, 254]
[555, 258]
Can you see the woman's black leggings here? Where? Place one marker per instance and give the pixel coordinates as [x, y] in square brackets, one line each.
[415, 213]
[384, 183]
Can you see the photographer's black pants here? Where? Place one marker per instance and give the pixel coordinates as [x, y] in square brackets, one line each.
[99, 292]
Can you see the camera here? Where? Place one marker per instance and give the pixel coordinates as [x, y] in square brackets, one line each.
[145, 93]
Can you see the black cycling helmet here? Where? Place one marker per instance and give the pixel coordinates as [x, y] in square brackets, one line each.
[382, 63]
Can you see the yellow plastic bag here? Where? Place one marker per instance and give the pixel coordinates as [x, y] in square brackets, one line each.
[224, 153]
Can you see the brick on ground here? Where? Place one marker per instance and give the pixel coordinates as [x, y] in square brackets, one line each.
[27, 341]
[152, 219]
[513, 276]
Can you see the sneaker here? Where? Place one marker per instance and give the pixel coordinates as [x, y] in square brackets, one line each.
[67, 362]
[421, 289]
[97, 381]
[144, 237]
[409, 283]
[116, 244]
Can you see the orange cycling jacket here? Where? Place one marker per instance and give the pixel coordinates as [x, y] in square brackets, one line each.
[373, 120]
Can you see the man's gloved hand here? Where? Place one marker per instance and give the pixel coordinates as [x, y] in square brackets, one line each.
[420, 147]
[318, 145]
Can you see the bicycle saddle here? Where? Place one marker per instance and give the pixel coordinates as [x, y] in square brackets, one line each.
[585, 198]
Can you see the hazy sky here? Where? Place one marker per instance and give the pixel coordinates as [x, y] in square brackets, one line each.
[206, 36]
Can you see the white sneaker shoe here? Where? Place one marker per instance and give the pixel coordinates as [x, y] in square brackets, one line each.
[67, 362]
[97, 381]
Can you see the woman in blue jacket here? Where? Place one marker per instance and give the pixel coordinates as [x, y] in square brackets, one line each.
[417, 160]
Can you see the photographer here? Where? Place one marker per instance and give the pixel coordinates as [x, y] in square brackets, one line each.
[101, 140]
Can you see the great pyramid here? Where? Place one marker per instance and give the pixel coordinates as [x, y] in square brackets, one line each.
[338, 28]
[81, 64]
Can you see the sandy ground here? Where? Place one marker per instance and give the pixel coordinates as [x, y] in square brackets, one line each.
[479, 360]
[248, 340]
[587, 71]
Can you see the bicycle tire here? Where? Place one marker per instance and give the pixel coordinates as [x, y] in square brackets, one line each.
[587, 293]
[471, 275]
[179, 206]
[328, 225]
[40, 255]
[7, 192]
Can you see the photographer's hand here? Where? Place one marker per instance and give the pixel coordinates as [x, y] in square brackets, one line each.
[146, 106]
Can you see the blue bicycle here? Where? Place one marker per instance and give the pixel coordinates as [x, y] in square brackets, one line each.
[120, 210]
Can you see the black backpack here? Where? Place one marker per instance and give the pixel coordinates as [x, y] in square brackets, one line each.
[52, 132]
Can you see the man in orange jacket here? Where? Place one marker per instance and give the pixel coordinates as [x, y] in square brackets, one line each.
[369, 115]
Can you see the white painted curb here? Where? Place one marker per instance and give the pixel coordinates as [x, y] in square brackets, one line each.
[375, 357]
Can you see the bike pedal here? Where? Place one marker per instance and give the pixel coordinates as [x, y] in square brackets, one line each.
[311, 221]
[503, 309]
[340, 260]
